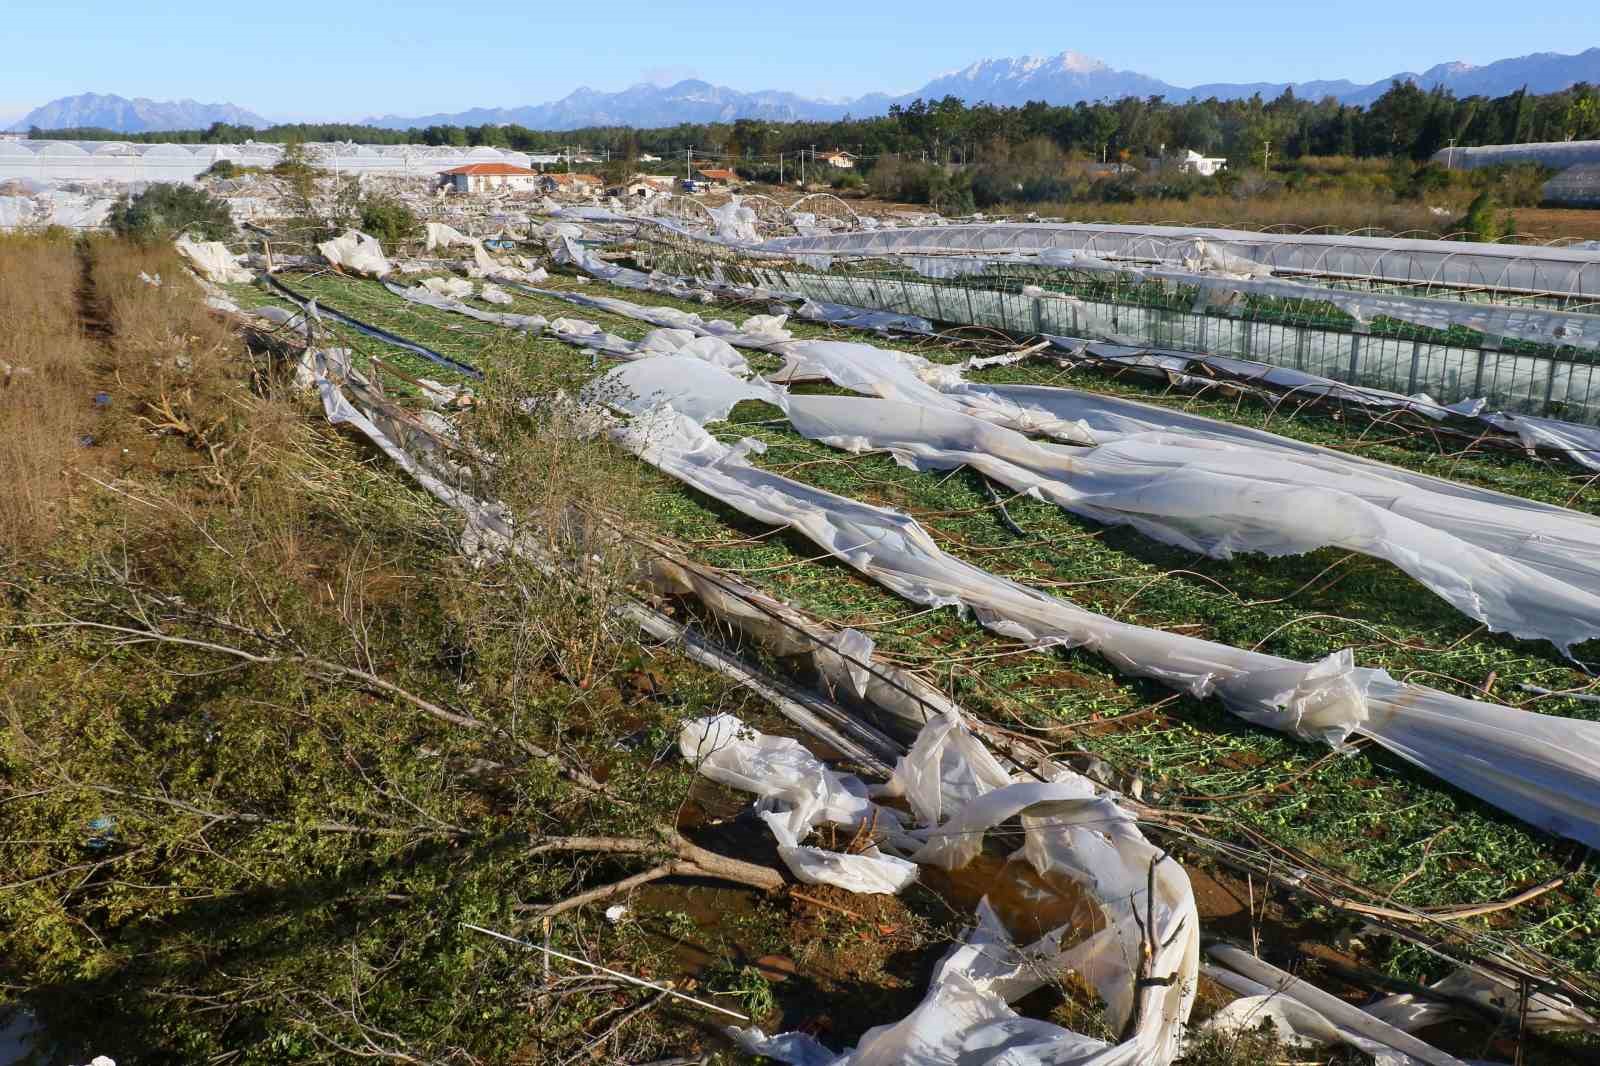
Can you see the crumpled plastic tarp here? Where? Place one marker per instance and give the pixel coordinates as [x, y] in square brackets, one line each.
[1217, 499]
[423, 294]
[797, 793]
[1532, 571]
[1078, 889]
[862, 318]
[1541, 768]
[441, 236]
[692, 386]
[213, 260]
[1580, 443]
[356, 252]
[735, 222]
[1306, 1016]
[458, 288]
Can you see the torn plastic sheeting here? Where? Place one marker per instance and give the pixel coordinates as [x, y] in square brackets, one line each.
[1517, 267]
[1542, 769]
[797, 793]
[1217, 499]
[1073, 838]
[1562, 545]
[1259, 980]
[862, 318]
[692, 387]
[1580, 443]
[889, 375]
[1542, 1013]
[1554, 539]
[441, 236]
[356, 252]
[213, 260]
[713, 350]
[455, 288]
[735, 222]
[430, 297]
[759, 332]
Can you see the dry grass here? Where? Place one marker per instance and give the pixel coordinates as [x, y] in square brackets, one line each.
[1333, 210]
[45, 386]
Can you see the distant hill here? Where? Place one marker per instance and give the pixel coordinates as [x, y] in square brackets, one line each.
[133, 116]
[640, 105]
[1067, 78]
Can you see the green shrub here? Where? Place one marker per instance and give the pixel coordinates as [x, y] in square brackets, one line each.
[389, 220]
[950, 192]
[162, 211]
[223, 168]
[1480, 223]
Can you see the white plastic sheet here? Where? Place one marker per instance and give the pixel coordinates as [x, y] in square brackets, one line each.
[1543, 769]
[1218, 499]
[213, 260]
[1308, 1015]
[797, 794]
[356, 252]
[691, 386]
[1529, 570]
[1082, 855]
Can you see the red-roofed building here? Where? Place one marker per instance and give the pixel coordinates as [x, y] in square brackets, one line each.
[487, 177]
[717, 177]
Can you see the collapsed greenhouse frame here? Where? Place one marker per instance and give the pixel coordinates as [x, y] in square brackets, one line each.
[597, 340]
[1513, 325]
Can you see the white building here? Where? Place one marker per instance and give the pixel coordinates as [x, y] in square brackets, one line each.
[1195, 163]
[840, 160]
[491, 177]
[645, 187]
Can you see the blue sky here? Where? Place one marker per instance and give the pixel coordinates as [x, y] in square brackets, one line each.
[343, 59]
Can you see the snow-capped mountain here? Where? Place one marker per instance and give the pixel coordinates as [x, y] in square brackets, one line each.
[134, 116]
[1063, 79]
[1066, 78]
[641, 105]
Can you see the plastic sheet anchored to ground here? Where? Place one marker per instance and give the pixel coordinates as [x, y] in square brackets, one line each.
[1130, 929]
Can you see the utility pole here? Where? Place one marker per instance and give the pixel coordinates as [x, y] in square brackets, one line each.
[813, 157]
[688, 158]
[802, 169]
[1266, 156]
[1450, 155]
[780, 168]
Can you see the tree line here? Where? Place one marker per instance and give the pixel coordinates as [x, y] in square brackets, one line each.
[1406, 121]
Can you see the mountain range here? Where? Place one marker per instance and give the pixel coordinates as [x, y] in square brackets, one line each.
[1067, 78]
[101, 111]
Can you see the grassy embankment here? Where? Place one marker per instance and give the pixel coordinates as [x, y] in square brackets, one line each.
[267, 739]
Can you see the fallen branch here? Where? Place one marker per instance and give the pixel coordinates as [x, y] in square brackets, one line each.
[1450, 914]
[690, 860]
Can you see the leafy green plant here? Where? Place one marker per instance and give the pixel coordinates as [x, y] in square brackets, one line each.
[162, 211]
[1480, 223]
[389, 220]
